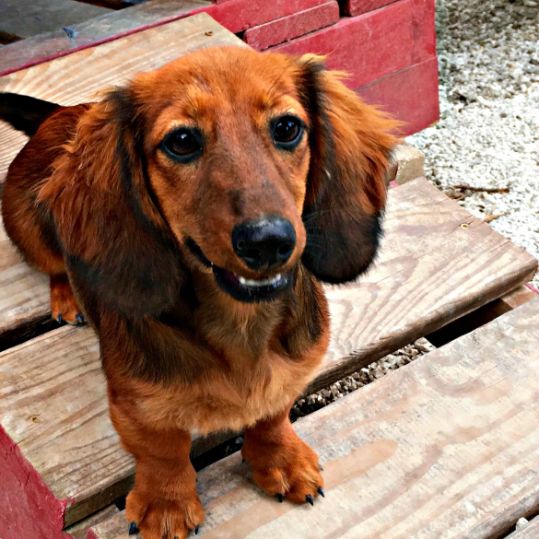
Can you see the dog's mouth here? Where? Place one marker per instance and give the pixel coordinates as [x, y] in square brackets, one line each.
[239, 287]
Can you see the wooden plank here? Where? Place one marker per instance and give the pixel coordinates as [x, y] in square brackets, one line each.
[25, 19]
[436, 263]
[298, 24]
[78, 77]
[113, 25]
[239, 15]
[443, 447]
[24, 294]
[373, 44]
[409, 94]
[357, 7]
[526, 531]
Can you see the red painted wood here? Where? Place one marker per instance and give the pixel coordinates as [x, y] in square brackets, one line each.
[286, 28]
[238, 15]
[28, 509]
[371, 45]
[424, 29]
[357, 7]
[410, 94]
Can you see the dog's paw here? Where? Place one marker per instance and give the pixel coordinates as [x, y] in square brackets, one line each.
[159, 518]
[64, 307]
[288, 469]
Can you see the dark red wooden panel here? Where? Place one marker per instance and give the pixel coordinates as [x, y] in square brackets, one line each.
[238, 15]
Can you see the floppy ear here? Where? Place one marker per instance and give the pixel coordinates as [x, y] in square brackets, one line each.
[350, 145]
[118, 248]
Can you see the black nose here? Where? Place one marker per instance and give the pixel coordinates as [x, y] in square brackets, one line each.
[264, 243]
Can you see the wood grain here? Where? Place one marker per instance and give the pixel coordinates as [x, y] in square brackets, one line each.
[92, 32]
[443, 447]
[24, 293]
[25, 19]
[437, 263]
[79, 77]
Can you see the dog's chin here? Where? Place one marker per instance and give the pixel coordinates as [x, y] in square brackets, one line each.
[241, 288]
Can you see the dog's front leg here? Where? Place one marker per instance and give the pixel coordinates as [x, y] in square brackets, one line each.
[163, 503]
[282, 464]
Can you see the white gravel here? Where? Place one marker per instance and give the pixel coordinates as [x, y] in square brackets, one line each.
[488, 134]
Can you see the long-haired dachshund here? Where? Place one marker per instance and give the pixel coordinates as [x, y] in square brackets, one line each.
[190, 216]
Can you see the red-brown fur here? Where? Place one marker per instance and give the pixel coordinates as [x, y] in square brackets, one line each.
[91, 195]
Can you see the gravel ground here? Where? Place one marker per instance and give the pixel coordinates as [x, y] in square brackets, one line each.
[488, 135]
[487, 138]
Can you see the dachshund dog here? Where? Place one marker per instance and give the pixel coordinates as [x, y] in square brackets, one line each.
[190, 217]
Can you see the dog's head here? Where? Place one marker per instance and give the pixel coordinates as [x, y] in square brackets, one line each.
[236, 162]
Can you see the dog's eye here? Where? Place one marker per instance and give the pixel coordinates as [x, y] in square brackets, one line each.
[287, 131]
[183, 145]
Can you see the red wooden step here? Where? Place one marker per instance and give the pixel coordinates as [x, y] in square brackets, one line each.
[374, 44]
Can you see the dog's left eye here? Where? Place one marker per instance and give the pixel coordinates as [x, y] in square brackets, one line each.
[183, 145]
[287, 131]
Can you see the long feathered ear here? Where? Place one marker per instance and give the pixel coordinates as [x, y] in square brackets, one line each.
[350, 145]
[118, 248]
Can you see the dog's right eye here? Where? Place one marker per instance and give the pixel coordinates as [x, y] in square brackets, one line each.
[183, 145]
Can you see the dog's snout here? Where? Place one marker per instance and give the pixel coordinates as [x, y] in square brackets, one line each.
[265, 243]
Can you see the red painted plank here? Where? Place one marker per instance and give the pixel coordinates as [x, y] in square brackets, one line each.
[286, 28]
[371, 45]
[357, 7]
[410, 94]
[238, 15]
[28, 509]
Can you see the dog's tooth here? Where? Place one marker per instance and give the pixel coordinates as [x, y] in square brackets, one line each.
[261, 282]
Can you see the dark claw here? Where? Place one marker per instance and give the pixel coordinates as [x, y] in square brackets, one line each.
[60, 318]
[279, 497]
[320, 491]
[309, 499]
[320, 467]
[197, 528]
[133, 528]
[80, 319]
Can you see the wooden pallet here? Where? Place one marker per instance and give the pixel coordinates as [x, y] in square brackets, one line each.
[60, 460]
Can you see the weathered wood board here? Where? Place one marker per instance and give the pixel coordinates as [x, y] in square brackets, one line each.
[79, 77]
[443, 447]
[24, 293]
[436, 263]
[25, 19]
[92, 32]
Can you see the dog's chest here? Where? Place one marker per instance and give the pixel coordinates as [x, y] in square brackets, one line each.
[230, 399]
